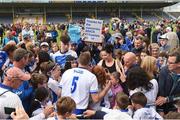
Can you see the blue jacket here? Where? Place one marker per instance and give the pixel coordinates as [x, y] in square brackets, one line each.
[129, 43]
[25, 92]
[123, 47]
[54, 34]
[6, 40]
[169, 86]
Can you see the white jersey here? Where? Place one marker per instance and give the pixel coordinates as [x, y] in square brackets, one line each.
[28, 32]
[60, 58]
[146, 114]
[79, 83]
[54, 86]
[8, 100]
[151, 95]
[117, 115]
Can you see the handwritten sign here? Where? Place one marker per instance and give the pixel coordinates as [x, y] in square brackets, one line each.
[93, 30]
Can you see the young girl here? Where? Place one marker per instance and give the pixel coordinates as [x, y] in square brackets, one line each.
[116, 86]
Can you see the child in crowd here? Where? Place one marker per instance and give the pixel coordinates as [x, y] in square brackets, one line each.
[116, 86]
[53, 72]
[162, 60]
[120, 111]
[38, 80]
[142, 112]
[41, 99]
[54, 49]
[65, 107]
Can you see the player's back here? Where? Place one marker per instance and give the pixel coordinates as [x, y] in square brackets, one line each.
[78, 83]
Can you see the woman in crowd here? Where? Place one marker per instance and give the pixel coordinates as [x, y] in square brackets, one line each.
[108, 61]
[139, 81]
[41, 57]
[53, 72]
[102, 78]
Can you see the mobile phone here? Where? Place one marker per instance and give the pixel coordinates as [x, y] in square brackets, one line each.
[9, 110]
[80, 116]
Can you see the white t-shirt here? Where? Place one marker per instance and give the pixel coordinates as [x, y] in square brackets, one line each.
[117, 115]
[29, 32]
[9, 100]
[54, 86]
[79, 83]
[60, 58]
[151, 94]
[146, 114]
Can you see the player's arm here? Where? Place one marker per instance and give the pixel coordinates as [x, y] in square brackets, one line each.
[96, 97]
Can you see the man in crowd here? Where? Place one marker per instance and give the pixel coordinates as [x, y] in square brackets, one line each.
[169, 84]
[80, 84]
[138, 44]
[129, 61]
[60, 56]
[13, 78]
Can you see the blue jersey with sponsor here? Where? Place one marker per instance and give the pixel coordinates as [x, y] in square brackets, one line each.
[60, 58]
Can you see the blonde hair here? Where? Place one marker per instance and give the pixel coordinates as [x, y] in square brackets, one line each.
[149, 65]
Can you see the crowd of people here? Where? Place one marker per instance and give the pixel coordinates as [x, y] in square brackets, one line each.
[133, 74]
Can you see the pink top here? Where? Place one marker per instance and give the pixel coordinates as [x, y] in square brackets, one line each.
[115, 89]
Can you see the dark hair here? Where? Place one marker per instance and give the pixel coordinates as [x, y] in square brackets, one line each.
[43, 57]
[41, 94]
[46, 67]
[176, 54]
[9, 48]
[65, 39]
[163, 54]
[37, 78]
[139, 98]
[137, 77]
[108, 48]
[69, 59]
[31, 54]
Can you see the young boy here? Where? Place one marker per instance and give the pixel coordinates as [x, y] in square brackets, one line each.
[142, 112]
[120, 111]
[65, 107]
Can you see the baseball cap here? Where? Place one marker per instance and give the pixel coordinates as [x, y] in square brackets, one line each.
[169, 29]
[44, 44]
[164, 36]
[118, 35]
[15, 72]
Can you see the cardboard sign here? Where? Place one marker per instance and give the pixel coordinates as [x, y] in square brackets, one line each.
[93, 30]
[74, 32]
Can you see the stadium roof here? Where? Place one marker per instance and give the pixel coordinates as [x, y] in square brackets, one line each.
[84, 3]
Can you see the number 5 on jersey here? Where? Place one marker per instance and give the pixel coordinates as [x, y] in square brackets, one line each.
[74, 84]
